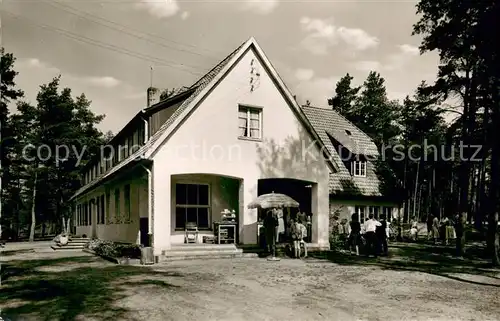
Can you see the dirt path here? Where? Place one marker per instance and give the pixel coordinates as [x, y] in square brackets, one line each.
[88, 288]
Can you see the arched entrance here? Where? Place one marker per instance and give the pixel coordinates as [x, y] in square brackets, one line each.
[299, 190]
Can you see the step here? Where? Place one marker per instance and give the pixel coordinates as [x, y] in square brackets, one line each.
[67, 248]
[203, 257]
[77, 243]
[203, 252]
[198, 247]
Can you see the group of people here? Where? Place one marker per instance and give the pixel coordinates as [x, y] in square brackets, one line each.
[375, 233]
[276, 229]
[444, 229]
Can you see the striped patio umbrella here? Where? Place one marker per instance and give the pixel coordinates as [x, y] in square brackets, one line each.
[273, 200]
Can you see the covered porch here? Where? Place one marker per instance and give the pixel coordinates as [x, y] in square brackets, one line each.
[197, 205]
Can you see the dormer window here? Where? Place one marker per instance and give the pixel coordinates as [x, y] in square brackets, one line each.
[348, 132]
[358, 168]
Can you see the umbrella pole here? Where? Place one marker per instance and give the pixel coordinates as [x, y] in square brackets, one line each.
[273, 257]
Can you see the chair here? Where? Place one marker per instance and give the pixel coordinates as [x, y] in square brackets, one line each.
[191, 233]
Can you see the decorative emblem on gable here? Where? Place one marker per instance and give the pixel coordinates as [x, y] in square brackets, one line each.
[254, 75]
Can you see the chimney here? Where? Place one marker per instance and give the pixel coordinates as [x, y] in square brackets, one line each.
[153, 96]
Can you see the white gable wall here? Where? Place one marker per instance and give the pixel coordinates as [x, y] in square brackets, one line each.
[207, 142]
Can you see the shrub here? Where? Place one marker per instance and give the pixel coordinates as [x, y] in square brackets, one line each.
[115, 249]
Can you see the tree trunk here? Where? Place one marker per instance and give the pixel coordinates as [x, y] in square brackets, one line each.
[63, 225]
[416, 192]
[493, 239]
[33, 210]
[68, 230]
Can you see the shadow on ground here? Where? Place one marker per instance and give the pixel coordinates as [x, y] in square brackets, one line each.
[62, 289]
[436, 260]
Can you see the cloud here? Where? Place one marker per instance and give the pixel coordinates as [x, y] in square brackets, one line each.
[324, 34]
[160, 8]
[358, 39]
[45, 68]
[185, 15]
[304, 74]
[409, 49]
[367, 65]
[106, 82]
[317, 90]
[260, 6]
[399, 59]
[394, 61]
[34, 62]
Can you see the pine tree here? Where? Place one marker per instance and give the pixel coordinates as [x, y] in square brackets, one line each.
[345, 96]
[9, 93]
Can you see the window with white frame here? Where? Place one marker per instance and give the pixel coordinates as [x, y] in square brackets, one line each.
[192, 205]
[250, 122]
[387, 211]
[358, 168]
[360, 211]
[374, 210]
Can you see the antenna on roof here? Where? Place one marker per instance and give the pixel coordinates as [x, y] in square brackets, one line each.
[151, 76]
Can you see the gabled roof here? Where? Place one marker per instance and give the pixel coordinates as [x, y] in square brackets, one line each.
[206, 84]
[201, 89]
[331, 125]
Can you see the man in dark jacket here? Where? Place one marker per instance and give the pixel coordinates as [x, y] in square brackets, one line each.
[382, 236]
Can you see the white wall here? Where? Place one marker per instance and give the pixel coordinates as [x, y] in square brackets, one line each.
[213, 127]
[118, 228]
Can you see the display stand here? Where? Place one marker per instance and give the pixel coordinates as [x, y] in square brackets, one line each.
[225, 232]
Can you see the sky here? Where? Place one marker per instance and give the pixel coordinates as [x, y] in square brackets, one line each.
[106, 48]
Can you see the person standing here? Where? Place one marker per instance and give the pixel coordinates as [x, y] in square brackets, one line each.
[435, 229]
[355, 235]
[446, 227]
[299, 232]
[413, 229]
[371, 238]
[429, 226]
[281, 225]
[270, 227]
[334, 233]
[382, 247]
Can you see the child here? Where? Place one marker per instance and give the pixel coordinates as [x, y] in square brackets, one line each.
[299, 232]
[414, 230]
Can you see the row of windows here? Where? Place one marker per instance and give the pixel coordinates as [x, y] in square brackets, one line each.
[364, 211]
[112, 155]
[100, 206]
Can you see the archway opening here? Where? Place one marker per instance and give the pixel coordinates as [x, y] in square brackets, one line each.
[299, 190]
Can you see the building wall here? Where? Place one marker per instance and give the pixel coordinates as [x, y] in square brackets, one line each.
[117, 227]
[208, 143]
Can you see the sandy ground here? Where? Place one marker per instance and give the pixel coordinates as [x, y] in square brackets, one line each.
[54, 286]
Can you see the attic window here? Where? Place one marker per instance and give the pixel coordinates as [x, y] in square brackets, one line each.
[358, 168]
[348, 132]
